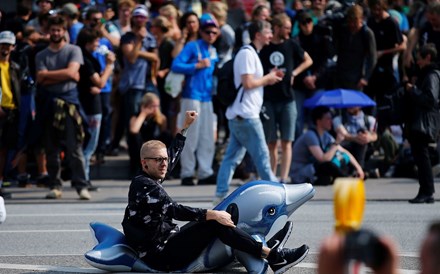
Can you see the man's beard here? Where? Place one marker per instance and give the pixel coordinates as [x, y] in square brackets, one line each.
[56, 40]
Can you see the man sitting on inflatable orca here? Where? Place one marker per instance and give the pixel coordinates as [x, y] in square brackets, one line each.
[148, 221]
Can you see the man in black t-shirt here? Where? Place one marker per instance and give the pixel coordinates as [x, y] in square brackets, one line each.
[430, 31]
[279, 99]
[389, 43]
[90, 84]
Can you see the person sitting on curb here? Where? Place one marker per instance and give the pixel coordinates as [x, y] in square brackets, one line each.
[318, 157]
[359, 130]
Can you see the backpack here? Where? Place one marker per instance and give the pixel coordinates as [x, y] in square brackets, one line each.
[226, 89]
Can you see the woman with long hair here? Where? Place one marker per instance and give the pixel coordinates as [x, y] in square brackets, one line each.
[189, 24]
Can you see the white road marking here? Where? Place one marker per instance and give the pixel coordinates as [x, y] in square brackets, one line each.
[64, 269]
[45, 231]
[64, 214]
[314, 266]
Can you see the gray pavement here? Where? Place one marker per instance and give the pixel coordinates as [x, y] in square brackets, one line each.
[384, 189]
[51, 236]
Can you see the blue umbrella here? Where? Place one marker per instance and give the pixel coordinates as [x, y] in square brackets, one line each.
[339, 98]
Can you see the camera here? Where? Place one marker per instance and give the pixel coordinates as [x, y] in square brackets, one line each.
[364, 246]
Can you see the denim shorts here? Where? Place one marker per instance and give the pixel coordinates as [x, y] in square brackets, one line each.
[282, 119]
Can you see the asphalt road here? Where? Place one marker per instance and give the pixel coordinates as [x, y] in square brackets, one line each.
[52, 237]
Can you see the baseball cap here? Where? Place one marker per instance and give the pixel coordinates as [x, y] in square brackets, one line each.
[69, 9]
[140, 10]
[208, 20]
[7, 37]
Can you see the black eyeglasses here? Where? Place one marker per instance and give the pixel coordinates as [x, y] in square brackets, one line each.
[159, 160]
[209, 32]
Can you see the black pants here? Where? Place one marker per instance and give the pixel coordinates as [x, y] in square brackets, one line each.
[186, 245]
[327, 172]
[420, 151]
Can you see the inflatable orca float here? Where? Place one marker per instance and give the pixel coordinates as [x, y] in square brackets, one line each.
[261, 208]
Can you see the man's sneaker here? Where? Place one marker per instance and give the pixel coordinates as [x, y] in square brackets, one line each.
[210, 180]
[54, 194]
[5, 195]
[287, 257]
[91, 187]
[23, 180]
[281, 237]
[2, 210]
[187, 181]
[84, 194]
[43, 180]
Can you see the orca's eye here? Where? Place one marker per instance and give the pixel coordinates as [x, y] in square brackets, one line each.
[271, 211]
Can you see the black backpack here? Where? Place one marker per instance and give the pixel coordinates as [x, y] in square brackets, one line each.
[226, 90]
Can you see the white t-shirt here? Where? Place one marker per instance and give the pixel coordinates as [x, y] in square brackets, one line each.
[247, 62]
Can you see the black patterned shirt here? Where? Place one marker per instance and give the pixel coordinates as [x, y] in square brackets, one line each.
[148, 220]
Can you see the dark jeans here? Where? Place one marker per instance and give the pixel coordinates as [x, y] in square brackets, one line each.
[186, 246]
[132, 100]
[106, 123]
[53, 140]
[327, 172]
[420, 150]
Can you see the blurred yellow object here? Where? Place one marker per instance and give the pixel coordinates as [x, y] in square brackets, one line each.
[349, 203]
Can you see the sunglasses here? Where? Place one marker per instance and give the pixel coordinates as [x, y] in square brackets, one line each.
[158, 160]
[140, 17]
[209, 32]
[306, 21]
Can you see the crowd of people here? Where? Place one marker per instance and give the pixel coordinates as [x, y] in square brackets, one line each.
[78, 76]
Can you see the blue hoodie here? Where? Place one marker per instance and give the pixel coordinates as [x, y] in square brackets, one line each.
[198, 82]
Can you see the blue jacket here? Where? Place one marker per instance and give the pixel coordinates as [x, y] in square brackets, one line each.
[198, 82]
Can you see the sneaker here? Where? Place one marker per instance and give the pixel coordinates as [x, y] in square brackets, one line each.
[390, 172]
[288, 257]
[5, 195]
[210, 180]
[23, 180]
[84, 194]
[91, 187]
[43, 180]
[2, 210]
[188, 181]
[281, 237]
[54, 194]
